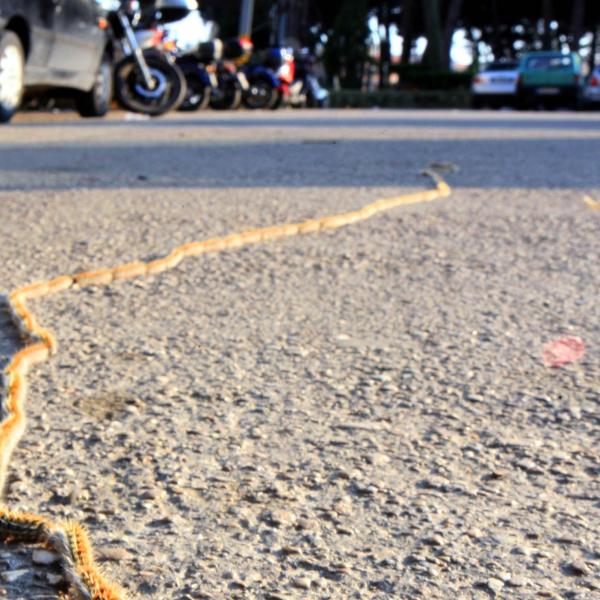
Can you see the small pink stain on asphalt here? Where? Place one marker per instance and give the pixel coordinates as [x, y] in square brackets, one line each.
[563, 351]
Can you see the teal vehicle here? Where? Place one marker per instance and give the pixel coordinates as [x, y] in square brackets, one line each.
[549, 78]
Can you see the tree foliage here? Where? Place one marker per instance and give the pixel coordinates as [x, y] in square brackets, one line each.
[506, 27]
[346, 50]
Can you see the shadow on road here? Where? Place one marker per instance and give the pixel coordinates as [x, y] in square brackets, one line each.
[468, 121]
[484, 163]
[10, 340]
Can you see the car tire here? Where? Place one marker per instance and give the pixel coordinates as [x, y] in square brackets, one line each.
[12, 75]
[96, 102]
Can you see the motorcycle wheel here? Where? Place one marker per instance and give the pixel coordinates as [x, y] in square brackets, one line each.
[197, 96]
[261, 94]
[228, 96]
[132, 93]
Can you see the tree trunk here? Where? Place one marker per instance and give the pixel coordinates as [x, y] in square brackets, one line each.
[296, 26]
[497, 45]
[576, 28]
[474, 47]
[384, 47]
[547, 17]
[454, 9]
[408, 30]
[346, 50]
[434, 53]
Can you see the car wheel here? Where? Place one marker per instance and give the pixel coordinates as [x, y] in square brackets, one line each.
[96, 102]
[12, 75]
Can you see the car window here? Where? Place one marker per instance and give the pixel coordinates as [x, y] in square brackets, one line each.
[548, 63]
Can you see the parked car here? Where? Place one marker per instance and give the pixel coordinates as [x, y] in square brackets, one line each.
[590, 94]
[549, 78]
[50, 45]
[495, 85]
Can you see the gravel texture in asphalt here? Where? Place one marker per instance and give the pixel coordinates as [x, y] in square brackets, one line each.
[360, 414]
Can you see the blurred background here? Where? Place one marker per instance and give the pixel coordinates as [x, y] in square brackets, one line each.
[370, 44]
[155, 56]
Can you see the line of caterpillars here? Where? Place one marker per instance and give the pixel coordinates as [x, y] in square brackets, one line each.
[69, 539]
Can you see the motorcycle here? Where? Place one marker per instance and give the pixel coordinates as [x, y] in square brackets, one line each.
[146, 78]
[264, 89]
[232, 82]
[284, 80]
[280, 66]
[212, 74]
[183, 40]
[200, 79]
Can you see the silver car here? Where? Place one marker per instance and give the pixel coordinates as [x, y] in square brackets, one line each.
[54, 45]
[495, 85]
[590, 96]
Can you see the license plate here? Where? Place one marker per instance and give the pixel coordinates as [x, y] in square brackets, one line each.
[549, 91]
[501, 80]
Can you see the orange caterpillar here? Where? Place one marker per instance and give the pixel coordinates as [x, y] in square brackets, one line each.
[86, 571]
[22, 526]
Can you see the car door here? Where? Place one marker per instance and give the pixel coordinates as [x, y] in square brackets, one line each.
[78, 42]
[40, 18]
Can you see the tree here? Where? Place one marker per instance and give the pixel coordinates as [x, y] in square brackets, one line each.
[452, 16]
[346, 50]
[577, 23]
[408, 29]
[508, 27]
[383, 17]
[432, 18]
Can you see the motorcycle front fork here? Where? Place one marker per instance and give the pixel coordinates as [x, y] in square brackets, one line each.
[132, 48]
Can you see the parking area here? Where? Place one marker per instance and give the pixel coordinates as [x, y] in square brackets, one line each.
[362, 413]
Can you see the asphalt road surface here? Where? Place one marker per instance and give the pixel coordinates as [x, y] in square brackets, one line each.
[359, 414]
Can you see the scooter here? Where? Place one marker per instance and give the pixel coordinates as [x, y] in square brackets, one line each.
[272, 83]
[289, 91]
[316, 96]
[284, 80]
[292, 90]
[146, 79]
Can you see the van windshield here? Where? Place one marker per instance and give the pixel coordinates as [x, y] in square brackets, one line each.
[548, 63]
